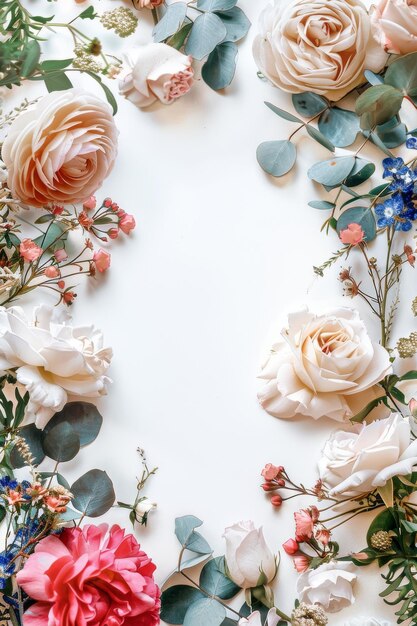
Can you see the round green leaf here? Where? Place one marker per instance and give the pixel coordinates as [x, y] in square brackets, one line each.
[216, 5]
[84, 418]
[333, 171]
[175, 602]
[276, 157]
[33, 437]
[392, 133]
[215, 582]
[378, 105]
[309, 104]
[358, 215]
[61, 443]
[170, 22]
[205, 612]
[207, 32]
[93, 493]
[340, 126]
[236, 23]
[360, 173]
[219, 69]
[402, 74]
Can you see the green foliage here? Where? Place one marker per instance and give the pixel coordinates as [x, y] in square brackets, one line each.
[61, 443]
[188, 537]
[83, 417]
[333, 171]
[340, 126]
[205, 612]
[33, 437]
[176, 601]
[219, 69]
[207, 32]
[276, 157]
[236, 23]
[93, 493]
[213, 579]
[358, 215]
[171, 22]
[309, 104]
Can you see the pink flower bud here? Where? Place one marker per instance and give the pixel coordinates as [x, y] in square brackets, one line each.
[276, 500]
[268, 487]
[101, 259]
[60, 255]
[61, 284]
[113, 233]
[29, 251]
[127, 223]
[52, 272]
[107, 202]
[90, 204]
[291, 546]
[323, 535]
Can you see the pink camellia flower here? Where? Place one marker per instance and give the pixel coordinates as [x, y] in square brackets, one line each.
[291, 546]
[270, 472]
[90, 204]
[352, 235]
[157, 72]
[127, 223]
[52, 272]
[101, 260]
[304, 525]
[29, 251]
[95, 575]
[301, 563]
[60, 255]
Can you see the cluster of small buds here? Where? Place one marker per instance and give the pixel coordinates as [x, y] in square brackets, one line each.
[409, 254]
[107, 221]
[308, 615]
[121, 20]
[381, 541]
[407, 346]
[274, 476]
[84, 60]
[308, 530]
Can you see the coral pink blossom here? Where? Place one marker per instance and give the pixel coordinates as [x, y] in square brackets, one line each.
[101, 259]
[60, 255]
[91, 576]
[352, 235]
[301, 563]
[304, 525]
[323, 535]
[270, 471]
[291, 546]
[90, 204]
[29, 250]
[127, 223]
[85, 221]
[52, 272]
[113, 233]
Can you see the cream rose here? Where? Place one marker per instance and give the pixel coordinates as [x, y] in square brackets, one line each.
[316, 45]
[395, 25]
[60, 150]
[326, 366]
[249, 560]
[52, 358]
[156, 72]
[329, 585]
[358, 460]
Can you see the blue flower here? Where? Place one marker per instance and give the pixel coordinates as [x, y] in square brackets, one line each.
[389, 210]
[7, 568]
[392, 166]
[411, 143]
[403, 180]
[7, 483]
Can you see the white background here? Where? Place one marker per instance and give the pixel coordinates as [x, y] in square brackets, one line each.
[221, 253]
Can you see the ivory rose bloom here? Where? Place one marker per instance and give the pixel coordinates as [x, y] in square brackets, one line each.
[326, 365]
[395, 25]
[249, 560]
[60, 150]
[358, 460]
[95, 575]
[156, 72]
[330, 586]
[255, 619]
[52, 358]
[317, 45]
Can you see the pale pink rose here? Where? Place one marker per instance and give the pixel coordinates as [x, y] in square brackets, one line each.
[60, 255]
[352, 235]
[52, 272]
[101, 260]
[156, 72]
[330, 586]
[60, 150]
[317, 45]
[93, 575]
[395, 24]
[29, 251]
[127, 223]
[325, 365]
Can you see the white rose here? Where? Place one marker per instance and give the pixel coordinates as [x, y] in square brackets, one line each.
[156, 72]
[249, 560]
[330, 586]
[142, 510]
[395, 25]
[358, 460]
[255, 619]
[326, 366]
[52, 358]
[371, 621]
[317, 45]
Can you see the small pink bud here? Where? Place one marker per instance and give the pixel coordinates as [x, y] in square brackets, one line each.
[107, 202]
[113, 233]
[60, 255]
[291, 546]
[61, 284]
[276, 500]
[52, 272]
[413, 407]
[268, 487]
[90, 204]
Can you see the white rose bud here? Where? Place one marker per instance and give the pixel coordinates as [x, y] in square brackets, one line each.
[250, 562]
[142, 510]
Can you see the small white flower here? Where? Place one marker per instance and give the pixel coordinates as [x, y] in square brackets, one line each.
[142, 510]
[330, 586]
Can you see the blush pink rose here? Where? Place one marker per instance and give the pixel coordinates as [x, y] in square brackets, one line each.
[352, 235]
[29, 251]
[60, 150]
[156, 72]
[93, 576]
[395, 25]
[101, 260]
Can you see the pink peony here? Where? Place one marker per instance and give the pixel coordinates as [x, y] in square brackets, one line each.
[101, 260]
[93, 576]
[352, 235]
[29, 251]
[127, 223]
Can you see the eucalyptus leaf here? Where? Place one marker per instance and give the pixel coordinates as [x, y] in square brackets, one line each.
[378, 105]
[207, 32]
[309, 104]
[246, 610]
[84, 418]
[333, 171]
[380, 144]
[216, 5]
[93, 493]
[214, 580]
[372, 78]
[61, 443]
[393, 133]
[402, 74]
[219, 69]
[236, 22]
[195, 560]
[361, 172]
[178, 39]
[170, 22]
[284, 114]
[175, 602]
[276, 157]
[358, 215]
[205, 612]
[33, 437]
[69, 515]
[52, 238]
[340, 126]
[322, 205]
[188, 537]
[319, 137]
